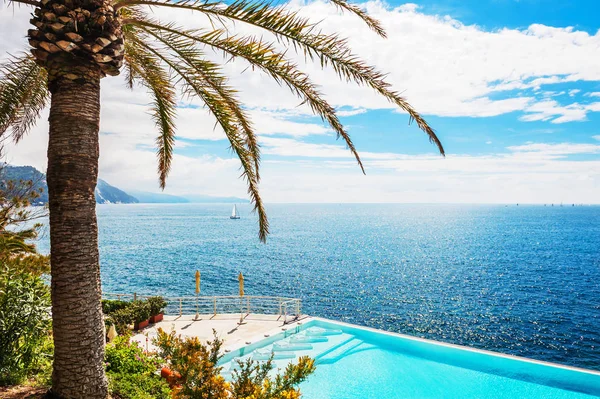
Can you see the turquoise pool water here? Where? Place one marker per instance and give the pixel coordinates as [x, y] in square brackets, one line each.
[355, 362]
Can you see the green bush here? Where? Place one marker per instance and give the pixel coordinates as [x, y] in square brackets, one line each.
[109, 306]
[123, 356]
[140, 311]
[138, 386]
[121, 318]
[131, 372]
[24, 323]
[157, 305]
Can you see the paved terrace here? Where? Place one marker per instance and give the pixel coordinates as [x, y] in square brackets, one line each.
[255, 327]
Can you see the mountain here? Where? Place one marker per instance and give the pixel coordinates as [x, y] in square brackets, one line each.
[26, 173]
[105, 193]
[158, 198]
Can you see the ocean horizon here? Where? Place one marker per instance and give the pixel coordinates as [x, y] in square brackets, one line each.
[522, 280]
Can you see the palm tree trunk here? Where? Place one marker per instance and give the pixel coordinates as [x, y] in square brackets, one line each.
[78, 327]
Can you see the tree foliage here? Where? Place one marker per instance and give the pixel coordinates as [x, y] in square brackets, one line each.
[18, 227]
[24, 323]
[24, 295]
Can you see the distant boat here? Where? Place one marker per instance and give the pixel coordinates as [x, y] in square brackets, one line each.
[234, 214]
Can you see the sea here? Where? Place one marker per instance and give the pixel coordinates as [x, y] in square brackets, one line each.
[522, 280]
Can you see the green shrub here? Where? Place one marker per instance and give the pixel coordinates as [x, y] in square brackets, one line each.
[138, 386]
[109, 306]
[140, 311]
[40, 370]
[121, 318]
[24, 322]
[122, 356]
[131, 372]
[157, 305]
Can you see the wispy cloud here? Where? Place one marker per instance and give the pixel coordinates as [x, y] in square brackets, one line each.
[551, 110]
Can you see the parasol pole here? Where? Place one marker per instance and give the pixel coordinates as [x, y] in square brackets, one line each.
[197, 292]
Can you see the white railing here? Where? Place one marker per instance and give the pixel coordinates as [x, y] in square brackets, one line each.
[284, 307]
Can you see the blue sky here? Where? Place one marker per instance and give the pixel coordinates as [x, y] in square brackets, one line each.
[512, 88]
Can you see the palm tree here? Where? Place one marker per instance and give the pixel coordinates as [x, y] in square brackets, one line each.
[75, 43]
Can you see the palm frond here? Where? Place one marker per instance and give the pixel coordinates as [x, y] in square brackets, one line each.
[145, 67]
[194, 85]
[298, 32]
[371, 22]
[211, 73]
[28, 2]
[23, 94]
[265, 57]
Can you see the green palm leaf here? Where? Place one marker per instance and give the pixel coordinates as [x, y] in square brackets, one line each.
[195, 85]
[23, 95]
[143, 65]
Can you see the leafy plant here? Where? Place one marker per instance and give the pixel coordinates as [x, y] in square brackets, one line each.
[131, 371]
[138, 386]
[140, 311]
[121, 318]
[123, 356]
[18, 229]
[24, 322]
[197, 365]
[25, 338]
[109, 305]
[157, 305]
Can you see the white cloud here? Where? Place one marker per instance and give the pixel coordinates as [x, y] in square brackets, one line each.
[352, 112]
[596, 137]
[573, 92]
[594, 94]
[557, 149]
[553, 111]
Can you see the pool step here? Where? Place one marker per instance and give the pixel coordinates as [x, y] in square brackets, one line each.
[287, 346]
[333, 353]
[265, 354]
[336, 355]
[321, 332]
[304, 339]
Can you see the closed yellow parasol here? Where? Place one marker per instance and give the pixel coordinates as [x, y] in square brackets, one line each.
[197, 293]
[241, 280]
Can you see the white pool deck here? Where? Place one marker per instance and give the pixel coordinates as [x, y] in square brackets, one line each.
[254, 328]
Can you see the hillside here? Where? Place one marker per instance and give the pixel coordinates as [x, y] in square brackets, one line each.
[105, 193]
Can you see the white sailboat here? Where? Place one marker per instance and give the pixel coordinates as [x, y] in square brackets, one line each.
[234, 214]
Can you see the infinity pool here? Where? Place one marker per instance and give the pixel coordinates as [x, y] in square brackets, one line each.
[355, 362]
